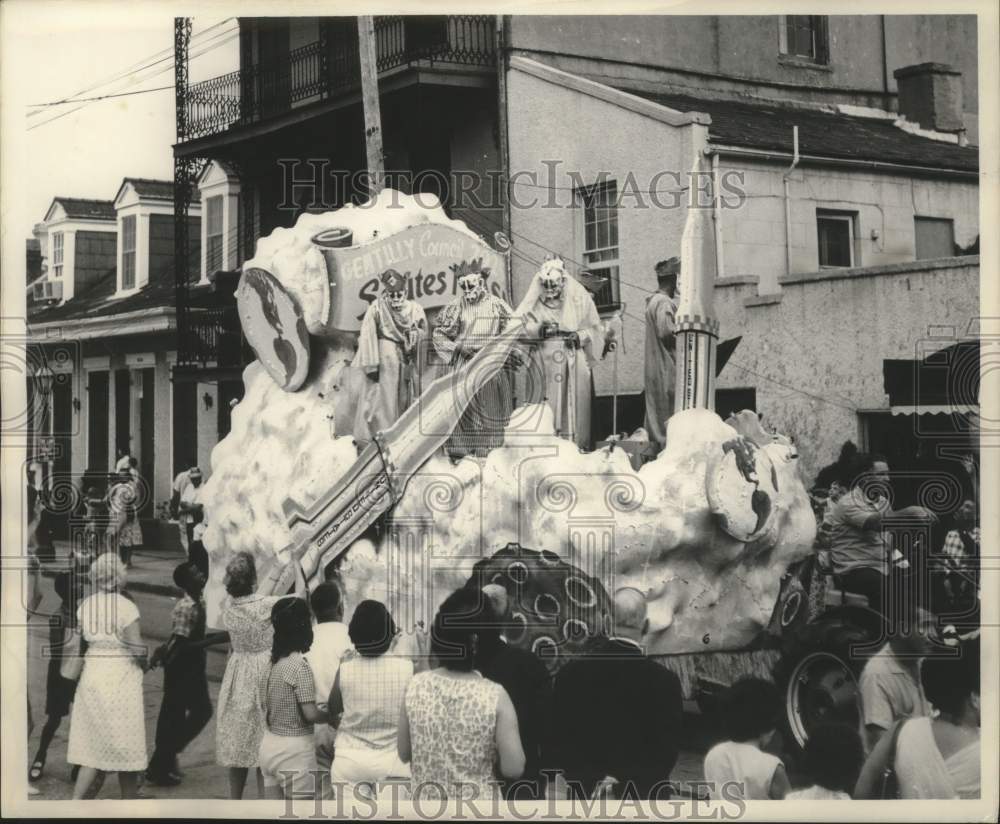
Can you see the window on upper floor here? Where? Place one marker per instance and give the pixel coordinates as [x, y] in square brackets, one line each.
[214, 232]
[600, 238]
[128, 252]
[804, 37]
[836, 232]
[57, 255]
[935, 237]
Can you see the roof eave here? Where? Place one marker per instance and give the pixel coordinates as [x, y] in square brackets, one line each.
[157, 319]
[609, 94]
[857, 163]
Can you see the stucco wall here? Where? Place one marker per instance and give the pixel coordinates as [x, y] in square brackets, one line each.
[754, 232]
[548, 122]
[815, 358]
[727, 51]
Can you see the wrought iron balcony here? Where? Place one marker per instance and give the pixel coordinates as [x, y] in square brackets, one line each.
[214, 336]
[330, 66]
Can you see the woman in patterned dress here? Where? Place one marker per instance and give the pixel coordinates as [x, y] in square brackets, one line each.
[456, 727]
[124, 531]
[246, 616]
[107, 728]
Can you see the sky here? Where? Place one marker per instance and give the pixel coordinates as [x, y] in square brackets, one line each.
[85, 149]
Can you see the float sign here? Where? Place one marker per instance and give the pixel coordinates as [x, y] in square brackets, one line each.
[427, 255]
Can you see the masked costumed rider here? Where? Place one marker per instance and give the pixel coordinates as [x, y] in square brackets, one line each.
[463, 327]
[573, 338]
[389, 355]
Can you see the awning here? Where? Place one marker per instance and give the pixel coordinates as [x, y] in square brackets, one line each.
[928, 410]
[943, 382]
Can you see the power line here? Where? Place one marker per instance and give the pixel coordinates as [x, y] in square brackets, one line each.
[166, 69]
[135, 68]
[107, 96]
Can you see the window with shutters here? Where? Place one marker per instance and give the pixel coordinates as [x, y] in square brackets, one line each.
[128, 252]
[214, 231]
[57, 255]
[804, 37]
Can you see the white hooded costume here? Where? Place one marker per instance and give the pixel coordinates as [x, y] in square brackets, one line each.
[558, 371]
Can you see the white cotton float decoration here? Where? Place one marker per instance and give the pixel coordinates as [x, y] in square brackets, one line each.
[705, 530]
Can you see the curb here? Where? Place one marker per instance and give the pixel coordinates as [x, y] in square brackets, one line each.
[150, 588]
[154, 589]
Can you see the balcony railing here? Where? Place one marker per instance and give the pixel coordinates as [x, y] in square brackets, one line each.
[330, 65]
[214, 336]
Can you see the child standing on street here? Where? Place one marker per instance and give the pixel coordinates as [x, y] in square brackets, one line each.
[186, 706]
[59, 691]
[750, 714]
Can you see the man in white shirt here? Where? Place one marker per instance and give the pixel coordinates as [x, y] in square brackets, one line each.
[330, 642]
[890, 681]
[189, 501]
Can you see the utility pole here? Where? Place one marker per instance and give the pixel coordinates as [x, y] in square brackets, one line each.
[369, 97]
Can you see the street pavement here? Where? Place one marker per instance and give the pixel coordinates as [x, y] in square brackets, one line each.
[151, 584]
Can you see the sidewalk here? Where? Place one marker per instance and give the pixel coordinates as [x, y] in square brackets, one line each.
[152, 569]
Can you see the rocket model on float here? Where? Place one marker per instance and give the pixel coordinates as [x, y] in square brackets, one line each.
[697, 329]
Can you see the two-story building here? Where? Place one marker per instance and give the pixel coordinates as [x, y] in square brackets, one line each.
[844, 174]
[102, 321]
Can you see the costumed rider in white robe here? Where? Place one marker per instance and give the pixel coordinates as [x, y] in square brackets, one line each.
[660, 369]
[573, 338]
[461, 329]
[389, 355]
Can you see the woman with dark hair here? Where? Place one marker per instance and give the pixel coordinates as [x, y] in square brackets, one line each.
[751, 710]
[935, 758]
[287, 749]
[831, 762]
[369, 690]
[246, 617]
[455, 725]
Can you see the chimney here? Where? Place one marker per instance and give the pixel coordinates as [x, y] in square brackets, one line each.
[931, 94]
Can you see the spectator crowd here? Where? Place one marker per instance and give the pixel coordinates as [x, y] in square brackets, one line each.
[313, 707]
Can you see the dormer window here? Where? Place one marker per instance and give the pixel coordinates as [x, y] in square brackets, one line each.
[219, 188]
[78, 241]
[128, 252]
[57, 255]
[145, 212]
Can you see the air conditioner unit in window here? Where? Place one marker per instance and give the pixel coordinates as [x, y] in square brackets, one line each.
[47, 290]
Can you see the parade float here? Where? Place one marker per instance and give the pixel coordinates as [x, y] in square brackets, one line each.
[707, 529]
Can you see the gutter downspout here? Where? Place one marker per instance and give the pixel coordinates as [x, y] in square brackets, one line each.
[719, 260]
[788, 206]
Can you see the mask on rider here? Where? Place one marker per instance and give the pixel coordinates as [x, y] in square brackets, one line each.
[472, 287]
[396, 299]
[552, 288]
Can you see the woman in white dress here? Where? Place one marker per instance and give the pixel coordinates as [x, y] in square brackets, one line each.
[107, 728]
[939, 757]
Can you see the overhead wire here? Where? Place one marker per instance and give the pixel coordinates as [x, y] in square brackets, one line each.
[135, 68]
[232, 35]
